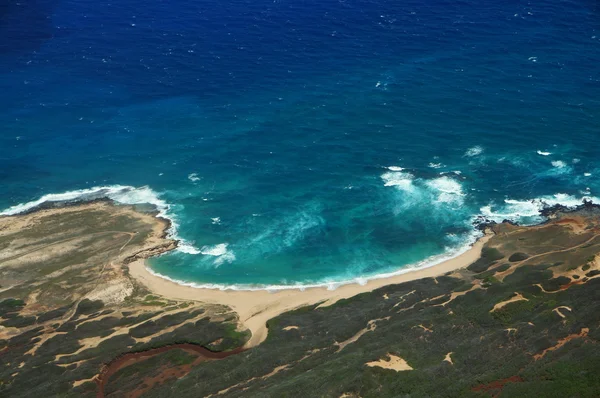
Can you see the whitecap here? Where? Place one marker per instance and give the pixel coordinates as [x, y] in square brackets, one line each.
[216, 250]
[435, 165]
[587, 174]
[448, 189]
[228, 257]
[194, 177]
[216, 220]
[395, 168]
[559, 164]
[399, 179]
[544, 153]
[474, 151]
[221, 253]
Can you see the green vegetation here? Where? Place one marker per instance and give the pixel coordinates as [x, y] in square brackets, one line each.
[516, 257]
[54, 335]
[489, 348]
[509, 329]
[488, 257]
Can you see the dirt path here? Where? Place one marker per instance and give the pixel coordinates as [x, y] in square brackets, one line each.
[131, 234]
[513, 267]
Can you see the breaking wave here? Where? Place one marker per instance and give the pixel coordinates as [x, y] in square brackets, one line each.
[528, 211]
[122, 194]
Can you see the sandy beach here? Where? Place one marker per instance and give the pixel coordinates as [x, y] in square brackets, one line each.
[255, 308]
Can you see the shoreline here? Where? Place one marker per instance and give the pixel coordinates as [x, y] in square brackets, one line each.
[334, 284]
[256, 307]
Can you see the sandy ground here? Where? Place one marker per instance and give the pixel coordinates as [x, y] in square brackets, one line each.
[255, 308]
[392, 362]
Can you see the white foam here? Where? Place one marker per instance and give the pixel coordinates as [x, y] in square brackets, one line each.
[448, 189]
[217, 250]
[187, 248]
[399, 179]
[587, 174]
[435, 165]
[220, 251]
[194, 177]
[444, 192]
[334, 284]
[216, 220]
[559, 164]
[395, 168]
[228, 257]
[119, 193]
[544, 153]
[528, 211]
[474, 151]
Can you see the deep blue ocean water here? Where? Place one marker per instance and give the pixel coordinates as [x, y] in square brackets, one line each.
[299, 142]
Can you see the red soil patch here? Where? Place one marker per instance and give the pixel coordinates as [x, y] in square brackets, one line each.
[578, 224]
[495, 388]
[165, 374]
[584, 332]
[568, 285]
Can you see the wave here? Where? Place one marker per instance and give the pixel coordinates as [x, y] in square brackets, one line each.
[514, 210]
[474, 151]
[528, 211]
[559, 164]
[219, 251]
[395, 168]
[440, 190]
[448, 189]
[398, 178]
[194, 177]
[443, 190]
[543, 153]
[332, 284]
[284, 232]
[123, 194]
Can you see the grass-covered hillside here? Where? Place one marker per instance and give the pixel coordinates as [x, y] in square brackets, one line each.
[523, 320]
[68, 306]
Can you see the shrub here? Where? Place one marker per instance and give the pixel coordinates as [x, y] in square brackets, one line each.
[518, 256]
[489, 256]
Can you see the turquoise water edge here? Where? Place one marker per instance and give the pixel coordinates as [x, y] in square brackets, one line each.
[295, 144]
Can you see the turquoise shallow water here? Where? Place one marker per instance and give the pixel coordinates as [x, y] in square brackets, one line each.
[301, 143]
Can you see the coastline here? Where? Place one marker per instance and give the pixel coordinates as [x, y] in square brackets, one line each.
[256, 307]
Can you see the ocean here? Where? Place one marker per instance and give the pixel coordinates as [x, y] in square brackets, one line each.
[297, 142]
